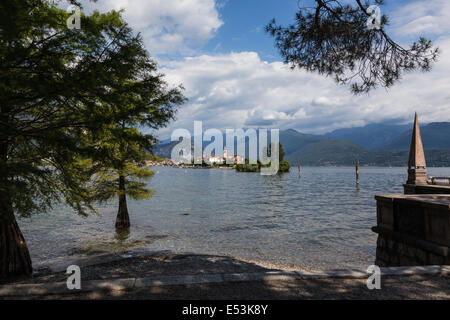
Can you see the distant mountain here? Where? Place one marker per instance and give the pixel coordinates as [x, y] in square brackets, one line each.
[311, 149]
[328, 152]
[308, 149]
[372, 136]
[293, 140]
[434, 136]
[164, 150]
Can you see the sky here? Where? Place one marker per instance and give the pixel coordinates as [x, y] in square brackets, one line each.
[234, 77]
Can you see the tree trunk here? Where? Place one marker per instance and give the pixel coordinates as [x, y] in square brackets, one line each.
[123, 219]
[14, 256]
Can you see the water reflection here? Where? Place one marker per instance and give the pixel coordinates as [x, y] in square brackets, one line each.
[122, 235]
[357, 190]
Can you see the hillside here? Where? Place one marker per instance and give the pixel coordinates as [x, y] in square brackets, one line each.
[164, 150]
[293, 140]
[377, 136]
[328, 152]
[391, 150]
[434, 136]
[372, 136]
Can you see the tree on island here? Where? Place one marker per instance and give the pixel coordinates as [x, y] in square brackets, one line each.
[281, 152]
[283, 165]
[333, 39]
[58, 86]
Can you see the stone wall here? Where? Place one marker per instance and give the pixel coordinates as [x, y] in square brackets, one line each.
[426, 189]
[413, 230]
[393, 252]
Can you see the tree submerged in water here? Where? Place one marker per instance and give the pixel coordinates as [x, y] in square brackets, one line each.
[333, 38]
[121, 149]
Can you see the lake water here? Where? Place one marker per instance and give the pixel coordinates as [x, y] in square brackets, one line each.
[321, 219]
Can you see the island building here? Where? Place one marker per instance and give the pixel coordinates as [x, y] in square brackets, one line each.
[414, 228]
[225, 158]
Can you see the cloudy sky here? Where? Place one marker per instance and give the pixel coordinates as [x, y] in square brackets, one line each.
[234, 76]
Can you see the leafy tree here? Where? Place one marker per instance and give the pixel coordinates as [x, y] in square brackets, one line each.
[120, 170]
[281, 152]
[332, 38]
[285, 166]
[120, 148]
[56, 85]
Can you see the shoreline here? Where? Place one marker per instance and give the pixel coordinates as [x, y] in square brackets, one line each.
[159, 276]
[158, 263]
[303, 166]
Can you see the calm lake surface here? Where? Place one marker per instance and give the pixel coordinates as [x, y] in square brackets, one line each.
[321, 219]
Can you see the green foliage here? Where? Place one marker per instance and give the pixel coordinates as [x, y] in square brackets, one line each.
[332, 38]
[281, 153]
[285, 166]
[248, 167]
[152, 157]
[60, 90]
[107, 185]
[120, 156]
[119, 150]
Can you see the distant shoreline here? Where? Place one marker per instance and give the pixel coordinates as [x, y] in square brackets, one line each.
[303, 166]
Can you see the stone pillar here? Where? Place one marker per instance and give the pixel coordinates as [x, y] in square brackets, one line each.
[417, 166]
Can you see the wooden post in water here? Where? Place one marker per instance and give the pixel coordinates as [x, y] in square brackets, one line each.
[299, 170]
[357, 171]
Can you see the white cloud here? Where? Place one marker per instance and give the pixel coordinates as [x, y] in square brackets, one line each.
[427, 17]
[239, 90]
[167, 26]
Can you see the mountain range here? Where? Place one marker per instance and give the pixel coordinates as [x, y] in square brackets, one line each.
[373, 144]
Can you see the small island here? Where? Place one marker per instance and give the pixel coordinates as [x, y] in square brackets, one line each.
[284, 165]
[225, 161]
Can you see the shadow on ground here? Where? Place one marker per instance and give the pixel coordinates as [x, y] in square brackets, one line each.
[393, 287]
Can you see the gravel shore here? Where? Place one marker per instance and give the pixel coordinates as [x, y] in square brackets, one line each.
[414, 286]
[164, 264]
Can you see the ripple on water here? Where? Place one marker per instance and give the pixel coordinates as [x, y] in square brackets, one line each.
[321, 219]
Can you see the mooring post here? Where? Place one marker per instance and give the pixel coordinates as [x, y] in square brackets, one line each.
[299, 170]
[357, 171]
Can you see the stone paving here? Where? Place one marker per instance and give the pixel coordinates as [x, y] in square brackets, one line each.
[187, 276]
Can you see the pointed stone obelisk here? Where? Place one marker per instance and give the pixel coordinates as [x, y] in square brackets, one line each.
[417, 167]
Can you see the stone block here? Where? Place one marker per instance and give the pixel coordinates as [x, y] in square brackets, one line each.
[438, 227]
[434, 259]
